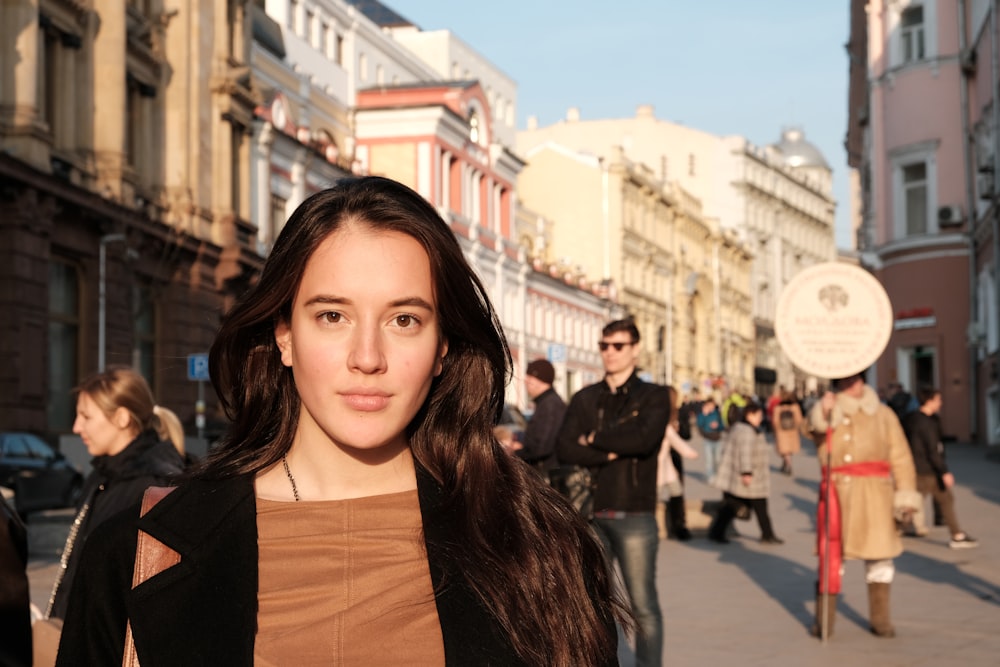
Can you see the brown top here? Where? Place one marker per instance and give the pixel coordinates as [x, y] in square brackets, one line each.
[345, 582]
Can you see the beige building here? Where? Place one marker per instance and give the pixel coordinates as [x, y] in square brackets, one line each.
[777, 200]
[616, 221]
[124, 198]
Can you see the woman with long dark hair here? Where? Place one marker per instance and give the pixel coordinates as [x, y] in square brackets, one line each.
[360, 510]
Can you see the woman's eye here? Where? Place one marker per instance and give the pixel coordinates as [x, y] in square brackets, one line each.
[406, 321]
[331, 317]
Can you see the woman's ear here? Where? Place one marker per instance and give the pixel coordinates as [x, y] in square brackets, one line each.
[283, 337]
[442, 353]
[121, 418]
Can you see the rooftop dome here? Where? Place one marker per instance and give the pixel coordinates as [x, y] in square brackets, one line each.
[797, 151]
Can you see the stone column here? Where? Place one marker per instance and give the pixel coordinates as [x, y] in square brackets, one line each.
[109, 95]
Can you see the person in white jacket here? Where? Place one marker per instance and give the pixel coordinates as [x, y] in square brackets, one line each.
[670, 510]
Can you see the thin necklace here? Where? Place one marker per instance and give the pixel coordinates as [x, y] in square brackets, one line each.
[288, 473]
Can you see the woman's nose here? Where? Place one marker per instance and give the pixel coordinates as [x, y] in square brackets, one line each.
[367, 353]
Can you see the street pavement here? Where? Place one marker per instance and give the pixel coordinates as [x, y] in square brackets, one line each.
[751, 604]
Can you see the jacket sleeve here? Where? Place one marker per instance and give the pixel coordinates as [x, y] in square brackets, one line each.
[640, 432]
[932, 440]
[579, 421]
[742, 443]
[94, 628]
[543, 429]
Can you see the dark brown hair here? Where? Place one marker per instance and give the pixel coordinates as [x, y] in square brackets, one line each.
[528, 556]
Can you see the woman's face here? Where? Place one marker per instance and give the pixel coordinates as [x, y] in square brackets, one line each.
[101, 435]
[755, 418]
[363, 340]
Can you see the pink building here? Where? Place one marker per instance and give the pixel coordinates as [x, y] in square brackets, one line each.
[920, 81]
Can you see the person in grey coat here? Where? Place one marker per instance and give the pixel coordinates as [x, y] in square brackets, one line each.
[745, 476]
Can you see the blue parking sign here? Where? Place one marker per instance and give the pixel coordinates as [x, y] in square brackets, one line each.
[198, 367]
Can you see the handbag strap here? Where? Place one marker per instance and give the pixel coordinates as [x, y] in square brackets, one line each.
[151, 557]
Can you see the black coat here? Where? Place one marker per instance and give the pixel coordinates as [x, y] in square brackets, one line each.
[629, 422]
[203, 611]
[542, 430]
[15, 618]
[923, 432]
[115, 484]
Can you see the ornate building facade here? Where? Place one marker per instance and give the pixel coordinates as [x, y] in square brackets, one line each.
[124, 198]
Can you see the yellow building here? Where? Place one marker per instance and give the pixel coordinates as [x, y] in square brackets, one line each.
[616, 221]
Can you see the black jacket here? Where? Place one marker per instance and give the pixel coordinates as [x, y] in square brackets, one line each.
[115, 483]
[630, 422]
[923, 432]
[15, 615]
[203, 611]
[542, 430]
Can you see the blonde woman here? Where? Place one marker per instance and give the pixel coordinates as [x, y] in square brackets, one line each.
[120, 426]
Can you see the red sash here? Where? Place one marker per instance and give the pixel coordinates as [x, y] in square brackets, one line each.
[831, 582]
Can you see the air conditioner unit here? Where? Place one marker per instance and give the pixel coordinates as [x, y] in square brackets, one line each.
[950, 216]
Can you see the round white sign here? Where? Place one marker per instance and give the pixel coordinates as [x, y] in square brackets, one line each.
[833, 320]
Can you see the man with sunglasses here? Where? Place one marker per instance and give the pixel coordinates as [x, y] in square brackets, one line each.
[615, 427]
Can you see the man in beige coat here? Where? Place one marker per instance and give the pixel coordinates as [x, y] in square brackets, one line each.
[874, 485]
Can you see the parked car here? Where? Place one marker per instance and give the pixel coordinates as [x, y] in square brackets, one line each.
[513, 419]
[40, 477]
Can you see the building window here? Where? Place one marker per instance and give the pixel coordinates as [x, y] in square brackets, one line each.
[474, 127]
[293, 11]
[690, 164]
[379, 75]
[49, 69]
[278, 215]
[363, 67]
[144, 332]
[64, 343]
[915, 197]
[338, 49]
[236, 162]
[311, 28]
[911, 33]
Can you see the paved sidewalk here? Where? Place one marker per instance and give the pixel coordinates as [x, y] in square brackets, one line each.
[752, 604]
[749, 604]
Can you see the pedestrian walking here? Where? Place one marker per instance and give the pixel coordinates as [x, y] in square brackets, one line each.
[787, 429]
[710, 427]
[543, 428]
[360, 510]
[923, 433]
[745, 476]
[124, 430]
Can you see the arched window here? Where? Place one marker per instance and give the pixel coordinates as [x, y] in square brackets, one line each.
[474, 133]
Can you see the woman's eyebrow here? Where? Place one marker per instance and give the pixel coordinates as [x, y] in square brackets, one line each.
[413, 301]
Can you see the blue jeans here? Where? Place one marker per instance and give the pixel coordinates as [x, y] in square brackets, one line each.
[713, 448]
[633, 541]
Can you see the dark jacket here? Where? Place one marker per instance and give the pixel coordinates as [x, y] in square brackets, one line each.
[203, 611]
[543, 428]
[15, 617]
[629, 422]
[923, 432]
[115, 483]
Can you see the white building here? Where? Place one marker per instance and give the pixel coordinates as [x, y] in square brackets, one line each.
[777, 199]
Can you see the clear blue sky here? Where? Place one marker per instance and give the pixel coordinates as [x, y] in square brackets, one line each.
[725, 66]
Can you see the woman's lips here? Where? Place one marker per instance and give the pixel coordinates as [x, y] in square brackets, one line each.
[366, 401]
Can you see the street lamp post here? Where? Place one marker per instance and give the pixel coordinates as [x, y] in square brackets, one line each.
[102, 296]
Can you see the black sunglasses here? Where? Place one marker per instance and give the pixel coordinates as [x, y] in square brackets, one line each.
[618, 346]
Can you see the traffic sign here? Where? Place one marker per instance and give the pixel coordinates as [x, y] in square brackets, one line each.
[557, 353]
[198, 367]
